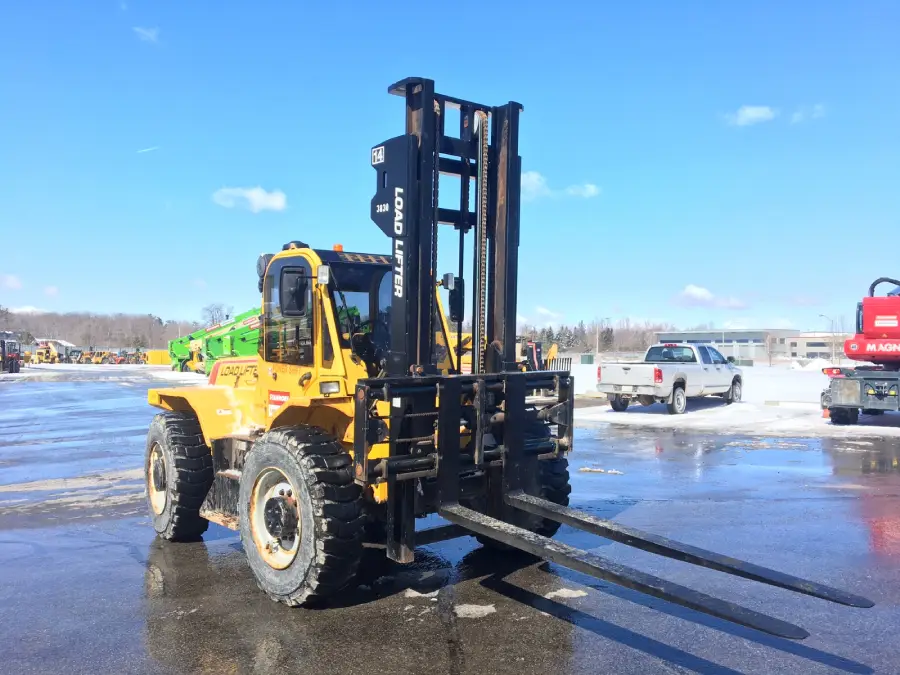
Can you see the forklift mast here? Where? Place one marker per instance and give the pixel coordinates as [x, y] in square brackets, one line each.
[456, 437]
[406, 208]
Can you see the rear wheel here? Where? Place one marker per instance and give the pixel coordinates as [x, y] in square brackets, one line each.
[178, 473]
[301, 520]
[844, 415]
[678, 404]
[618, 403]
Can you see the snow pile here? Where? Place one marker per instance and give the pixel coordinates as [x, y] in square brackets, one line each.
[817, 364]
[742, 418]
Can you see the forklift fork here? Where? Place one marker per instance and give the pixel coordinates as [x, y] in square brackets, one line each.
[518, 465]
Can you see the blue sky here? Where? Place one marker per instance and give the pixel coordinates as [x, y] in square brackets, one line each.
[689, 162]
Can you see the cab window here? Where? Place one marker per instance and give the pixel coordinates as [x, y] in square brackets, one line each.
[288, 313]
[717, 357]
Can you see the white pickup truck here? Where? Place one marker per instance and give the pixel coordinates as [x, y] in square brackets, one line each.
[670, 373]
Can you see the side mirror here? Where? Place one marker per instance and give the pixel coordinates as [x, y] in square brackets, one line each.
[730, 359]
[457, 300]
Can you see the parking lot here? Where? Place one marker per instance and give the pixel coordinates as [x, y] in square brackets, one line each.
[87, 588]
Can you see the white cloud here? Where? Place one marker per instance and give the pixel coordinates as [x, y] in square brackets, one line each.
[27, 309]
[587, 190]
[256, 199]
[542, 317]
[534, 186]
[51, 291]
[698, 296]
[748, 115]
[152, 148]
[808, 113]
[147, 34]
[10, 281]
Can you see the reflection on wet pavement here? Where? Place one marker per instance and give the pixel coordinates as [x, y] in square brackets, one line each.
[86, 588]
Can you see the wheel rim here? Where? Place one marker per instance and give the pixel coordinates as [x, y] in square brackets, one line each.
[156, 480]
[679, 399]
[275, 518]
[736, 391]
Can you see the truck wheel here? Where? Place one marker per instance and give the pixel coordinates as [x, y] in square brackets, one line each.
[301, 518]
[872, 411]
[618, 404]
[733, 395]
[844, 415]
[178, 472]
[679, 401]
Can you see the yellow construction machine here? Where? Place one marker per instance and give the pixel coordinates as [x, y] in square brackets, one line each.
[355, 419]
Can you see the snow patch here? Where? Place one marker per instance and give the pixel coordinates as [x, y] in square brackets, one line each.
[565, 593]
[410, 593]
[473, 611]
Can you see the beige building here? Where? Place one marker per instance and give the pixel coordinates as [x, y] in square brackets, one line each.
[764, 344]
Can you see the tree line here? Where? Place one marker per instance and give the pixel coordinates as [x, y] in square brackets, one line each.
[623, 336]
[120, 330]
[148, 331]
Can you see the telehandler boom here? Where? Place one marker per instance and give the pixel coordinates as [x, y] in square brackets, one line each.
[355, 417]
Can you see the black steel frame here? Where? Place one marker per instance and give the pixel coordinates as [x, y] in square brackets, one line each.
[431, 415]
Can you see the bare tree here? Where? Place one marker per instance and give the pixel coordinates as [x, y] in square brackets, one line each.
[216, 312]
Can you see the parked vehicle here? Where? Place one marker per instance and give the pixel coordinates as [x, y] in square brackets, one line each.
[10, 356]
[874, 386]
[670, 373]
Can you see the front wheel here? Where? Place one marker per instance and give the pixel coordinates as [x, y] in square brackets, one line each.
[301, 520]
[678, 404]
[733, 395]
[178, 472]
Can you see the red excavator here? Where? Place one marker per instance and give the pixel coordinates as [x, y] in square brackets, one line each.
[875, 387]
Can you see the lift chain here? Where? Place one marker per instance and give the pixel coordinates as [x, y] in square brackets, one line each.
[482, 228]
[433, 357]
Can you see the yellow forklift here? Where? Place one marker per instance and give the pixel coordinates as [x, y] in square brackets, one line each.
[345, 428]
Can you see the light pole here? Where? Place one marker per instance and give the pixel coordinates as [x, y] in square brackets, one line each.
[832, 334]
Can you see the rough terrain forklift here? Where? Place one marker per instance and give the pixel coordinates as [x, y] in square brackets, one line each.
[344, 427]
[10, 356]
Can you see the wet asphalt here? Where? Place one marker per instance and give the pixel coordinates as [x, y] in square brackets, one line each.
[86, 588]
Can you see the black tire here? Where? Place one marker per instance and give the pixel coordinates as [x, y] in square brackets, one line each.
[678, 404]
[733, 395]
[872, 411]
[329, 514]
[552, 484]
[618, 404]
[183, 479]
[844, 416]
